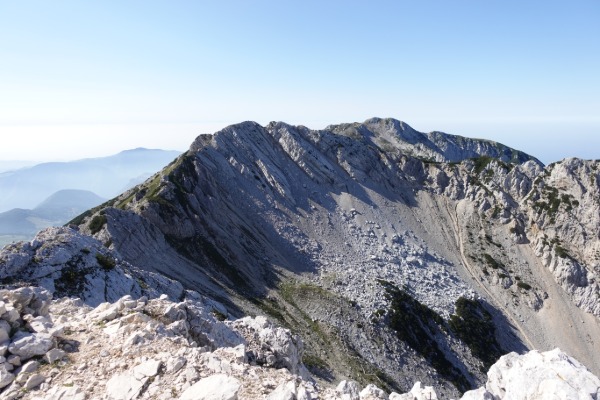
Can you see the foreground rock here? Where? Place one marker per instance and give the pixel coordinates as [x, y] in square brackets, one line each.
[67, 263]
[535, 375]
[161, 349]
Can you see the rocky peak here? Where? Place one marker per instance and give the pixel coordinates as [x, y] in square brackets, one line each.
[397, 255]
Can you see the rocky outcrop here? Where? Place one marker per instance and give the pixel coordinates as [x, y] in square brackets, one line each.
[159, 349]
[142, 348]
[68, 263]
[535, 375]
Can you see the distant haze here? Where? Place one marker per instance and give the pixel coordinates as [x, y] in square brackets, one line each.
[105, 177]
[548, 142]
[88, 79]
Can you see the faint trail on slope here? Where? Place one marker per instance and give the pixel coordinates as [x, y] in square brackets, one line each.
[459, 242]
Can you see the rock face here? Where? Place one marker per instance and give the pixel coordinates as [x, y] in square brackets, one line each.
[66, 262]
[160, 349]
[536, 375]
[398, 256]
[144, 348]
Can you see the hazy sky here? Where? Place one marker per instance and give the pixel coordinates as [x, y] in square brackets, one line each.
[87, 78]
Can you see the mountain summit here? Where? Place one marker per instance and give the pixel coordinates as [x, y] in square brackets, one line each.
[397, 255]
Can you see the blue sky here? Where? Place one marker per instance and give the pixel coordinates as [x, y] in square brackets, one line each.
[85, 78]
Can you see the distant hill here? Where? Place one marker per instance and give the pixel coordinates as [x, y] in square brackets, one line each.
[106, 176]
[57, 209]
[11, 165]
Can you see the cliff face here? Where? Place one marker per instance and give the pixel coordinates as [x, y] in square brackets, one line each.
[397, 255]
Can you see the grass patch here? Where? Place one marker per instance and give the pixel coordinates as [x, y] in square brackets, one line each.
[312, 361]
[97, 223]
[106, 262]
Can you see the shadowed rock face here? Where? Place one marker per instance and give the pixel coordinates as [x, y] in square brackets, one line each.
[348, 234]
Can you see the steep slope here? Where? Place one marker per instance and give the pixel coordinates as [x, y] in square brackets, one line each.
[397, 255]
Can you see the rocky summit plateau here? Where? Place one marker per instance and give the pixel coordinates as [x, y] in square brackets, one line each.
[361, 261]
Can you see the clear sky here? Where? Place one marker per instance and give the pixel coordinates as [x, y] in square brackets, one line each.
[85, 78]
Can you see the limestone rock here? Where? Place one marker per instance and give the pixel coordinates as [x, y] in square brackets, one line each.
[34, 381]
[27, 345]
[418, 392]
[65, 393]
[214, 387]
[372, 392]
[348, 390]
[54, 355]
[535, 375]
[6, 377]
[123, 387]
[285, 391]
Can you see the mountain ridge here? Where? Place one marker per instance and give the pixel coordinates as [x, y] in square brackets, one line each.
[341, 236]
[106, 176]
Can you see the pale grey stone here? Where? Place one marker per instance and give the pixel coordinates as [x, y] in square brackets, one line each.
[6, 377]
[214, 387]
[54, 355]
[27, 345]
[34, 381]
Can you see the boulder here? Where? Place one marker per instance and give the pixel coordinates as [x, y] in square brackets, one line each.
[418, 392]
[535, 375]
[54, 355]
[348, 390]
[6, 377]
[214, 387]
[285, 391]
[123, 387]
[65, 393]
[4, 331]
[34, 381]
[27, 345]
[372, 392]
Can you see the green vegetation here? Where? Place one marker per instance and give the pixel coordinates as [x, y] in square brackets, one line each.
[124, 203]
[523, 285]
[97, 223]
[417, 325]
[491, 261]
[219, 315]
[550, 202]
[312, 361]
[80, 218]
[72, 278]
[561, 251]
[106, 262]
[481, 163]
[473, 324]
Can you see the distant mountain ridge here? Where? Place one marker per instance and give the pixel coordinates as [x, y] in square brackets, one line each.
[56, 210]
[105, 176]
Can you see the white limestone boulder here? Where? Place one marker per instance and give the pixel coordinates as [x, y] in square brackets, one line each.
[536, 376]
[214, 387]
[27, 345]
